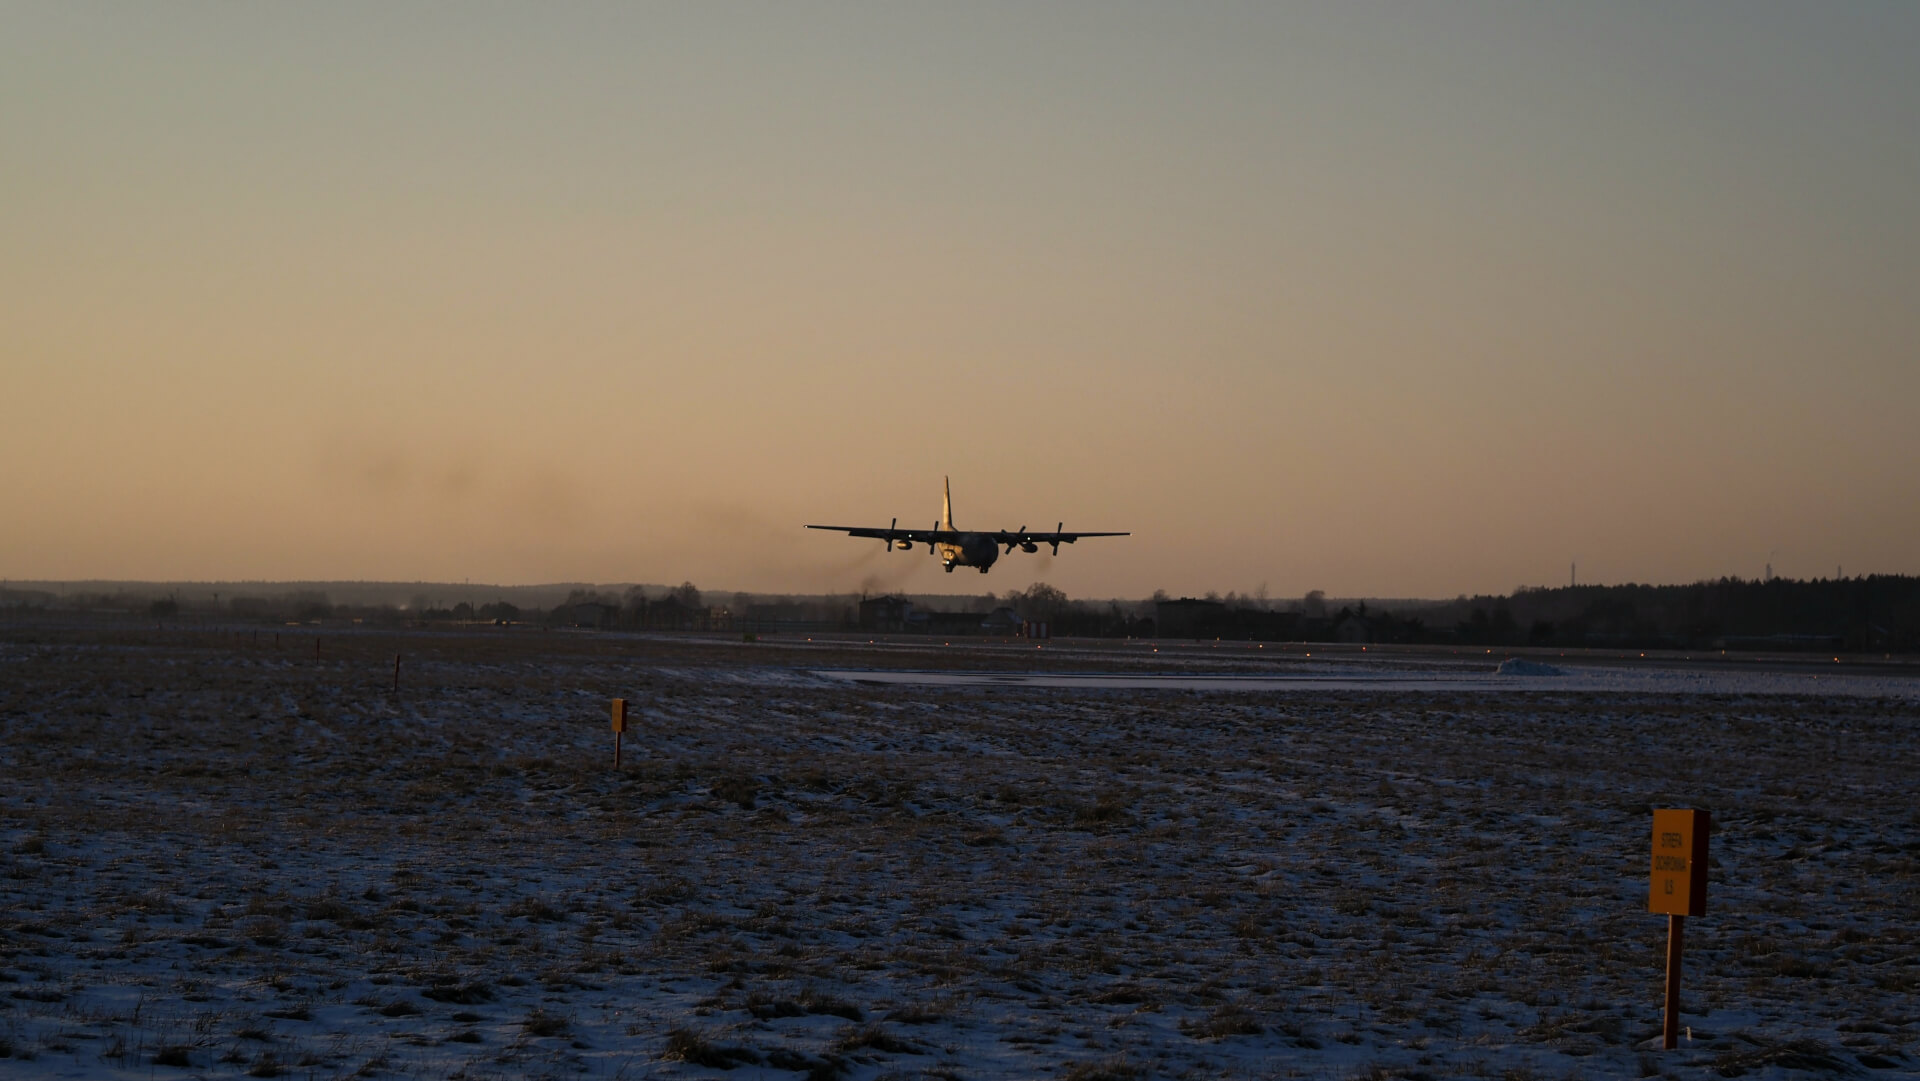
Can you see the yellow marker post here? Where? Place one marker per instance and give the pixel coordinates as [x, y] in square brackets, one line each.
[619, 727]
[1678, 889]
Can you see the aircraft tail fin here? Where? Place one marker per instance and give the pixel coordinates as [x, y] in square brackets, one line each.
[946, 505]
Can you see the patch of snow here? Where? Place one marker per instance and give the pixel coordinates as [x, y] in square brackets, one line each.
[1520, 666]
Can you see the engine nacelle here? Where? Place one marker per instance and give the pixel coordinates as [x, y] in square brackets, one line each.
[1029, 546]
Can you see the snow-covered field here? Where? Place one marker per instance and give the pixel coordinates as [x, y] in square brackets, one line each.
[226, 856]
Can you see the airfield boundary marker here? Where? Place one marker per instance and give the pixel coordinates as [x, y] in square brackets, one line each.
[1678, 888]
[619, 727]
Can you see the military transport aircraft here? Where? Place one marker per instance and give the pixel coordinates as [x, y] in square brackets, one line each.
[963, 549]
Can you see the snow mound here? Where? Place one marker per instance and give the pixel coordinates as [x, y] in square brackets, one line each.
[1516, 666]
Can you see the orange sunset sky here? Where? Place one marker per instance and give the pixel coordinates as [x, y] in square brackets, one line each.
[1380, 299]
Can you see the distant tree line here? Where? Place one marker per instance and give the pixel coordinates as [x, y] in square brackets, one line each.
[678, 609]
[1870, 613]
[1877, 612]
[1086, 619]
[295, 606]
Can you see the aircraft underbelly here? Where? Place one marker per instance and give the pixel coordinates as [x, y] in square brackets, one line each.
[980, 551]
[974, 550]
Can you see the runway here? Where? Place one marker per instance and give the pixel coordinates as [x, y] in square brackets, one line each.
[1489, 679]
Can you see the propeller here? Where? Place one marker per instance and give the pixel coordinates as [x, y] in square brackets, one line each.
[1056, 537]
[1015, 542]
[936, 529]
[890, 528]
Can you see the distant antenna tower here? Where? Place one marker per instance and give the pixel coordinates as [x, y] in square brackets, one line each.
[1573, 575]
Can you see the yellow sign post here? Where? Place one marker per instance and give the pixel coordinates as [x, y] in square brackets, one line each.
[619, 727]
[1678, 889]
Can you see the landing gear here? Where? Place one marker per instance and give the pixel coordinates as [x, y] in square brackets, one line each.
[983, 570]
[949, 567]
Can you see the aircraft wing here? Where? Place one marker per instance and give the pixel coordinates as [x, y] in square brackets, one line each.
[1048, 538]
[897, 536]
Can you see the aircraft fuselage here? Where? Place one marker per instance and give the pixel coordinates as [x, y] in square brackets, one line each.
[974, 550]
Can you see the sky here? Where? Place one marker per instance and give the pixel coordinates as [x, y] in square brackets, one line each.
[1392, 300]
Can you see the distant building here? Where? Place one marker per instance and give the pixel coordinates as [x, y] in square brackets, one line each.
[793, 617]
[1352, 627]
[886, 615]
[951, 623]
[1001, 621]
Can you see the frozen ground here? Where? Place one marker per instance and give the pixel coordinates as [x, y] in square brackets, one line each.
[222, 856]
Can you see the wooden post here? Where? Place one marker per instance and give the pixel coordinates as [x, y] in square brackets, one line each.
[619, 727]
[1676, 938]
